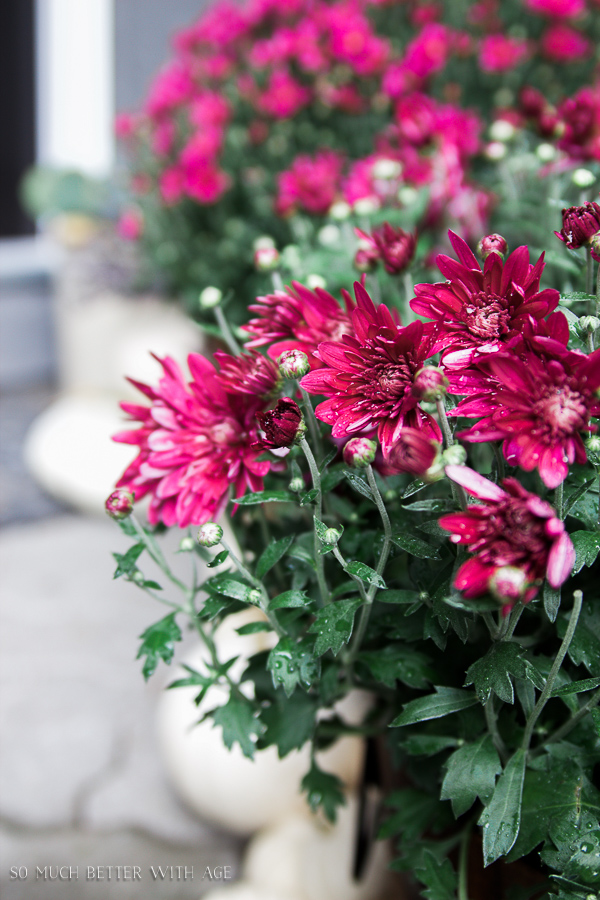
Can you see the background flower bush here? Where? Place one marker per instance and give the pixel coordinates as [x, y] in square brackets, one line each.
[270, 119]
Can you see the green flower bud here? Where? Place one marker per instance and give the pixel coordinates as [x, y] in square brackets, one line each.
[331, 536]
[210, 297]
[209, 535]
[186, 544]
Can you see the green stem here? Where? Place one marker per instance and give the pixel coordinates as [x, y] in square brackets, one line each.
[513, 621]
[589, 279]
[572, 722]
[311, 421]
[499, 460]
[277, 281]
[226, 332]
[365, 612]
[258, 585]
[156, 553]
[316, 480]
[463, 862]
[492, 627]
[545, 695]
[458, 490]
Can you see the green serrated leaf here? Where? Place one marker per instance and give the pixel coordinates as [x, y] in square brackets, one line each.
[415, 811]
[126, 562]
[587, 548]
[214, 605]
[413, 488]
[297, 551]
[292, 663]
[360, 486]
[265, 497]
[290, 724]
[230, 588]
[158, 643]
[218, 559]
[574, 493]
[323, 790]
[415, 546]
[397, 662]
[501, 818]
[333, 625]
[492, 672]
[584, 649]
[365, 573]
[272, 554]
[437, 506]
[289, 600]
[470, 773]
[440, 880]
[239, 723]
[445, 701]
[308, 497]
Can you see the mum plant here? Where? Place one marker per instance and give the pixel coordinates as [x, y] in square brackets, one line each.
[414, 506]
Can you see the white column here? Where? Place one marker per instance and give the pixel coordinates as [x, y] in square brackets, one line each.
[75, 84]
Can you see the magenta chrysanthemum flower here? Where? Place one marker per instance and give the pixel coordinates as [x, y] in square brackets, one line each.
[512, 528]
[195, 440]
[298, 319]
[539, 410]
[474, 307]
[368, 376]
[249, 373]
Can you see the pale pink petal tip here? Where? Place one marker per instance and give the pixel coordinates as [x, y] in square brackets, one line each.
[560, 561]
[475, 483]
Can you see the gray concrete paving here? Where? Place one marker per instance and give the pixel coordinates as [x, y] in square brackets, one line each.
[81, 783]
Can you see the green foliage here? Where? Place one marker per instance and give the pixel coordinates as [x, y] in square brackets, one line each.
[293, 663]
[158, 642]
[239, 722]
[445, 701]
[323, 790]
[333, 625]
[470, 773]
[272, 554]
[501, 818]
[492, 673]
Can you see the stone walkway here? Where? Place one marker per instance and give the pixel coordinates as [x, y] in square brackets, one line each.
[81, 784]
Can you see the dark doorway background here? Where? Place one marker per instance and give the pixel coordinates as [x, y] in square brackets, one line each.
[17, 111]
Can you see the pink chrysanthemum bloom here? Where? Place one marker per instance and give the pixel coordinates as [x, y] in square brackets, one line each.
[298, 319]
[557, 8]
[416, 453]
[368, 376]
[476, 308]
[580, 117]
[500, 53]
[564, 44]
[542, 405]
[195, 440]
[310, 184]
[249, 373]
[510, 529]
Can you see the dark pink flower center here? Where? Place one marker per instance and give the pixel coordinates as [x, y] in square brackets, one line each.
[390, 381]
[487, 315]
[513, 536]
[562, 411]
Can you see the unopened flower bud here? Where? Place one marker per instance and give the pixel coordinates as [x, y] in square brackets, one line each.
[545, 152]
[209, 535]
[254, 597]
[456, 455]
[595, 246]
[360, 452]
[583, 178]
[211, 296]
[328, 235]
[417, 454]
[366, 259]
[366, 206]
[137, 576]
[429, 384]
[408, 196]
[331, 536]
[508, 584]
[386, 169]
[283, 426]
[340, 211]
[579, 225]
[186, 544]
[495, 151]
[592, 444]
[502, 130]
[264, 242]
[492, 243]
[120, 504]
[396, 247]
[296, 485]
[266, 259]
[293, 364]
[589, 323]
[315, 281]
